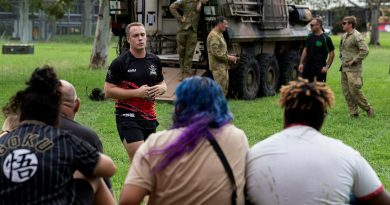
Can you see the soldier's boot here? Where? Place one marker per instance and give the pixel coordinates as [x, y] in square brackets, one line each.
[370, 112]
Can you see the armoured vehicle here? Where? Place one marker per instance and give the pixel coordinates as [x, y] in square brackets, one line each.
[267, 35]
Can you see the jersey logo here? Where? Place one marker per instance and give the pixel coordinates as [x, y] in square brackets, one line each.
[153, 70]
[20, 165]
[318, 43]
[132, 70]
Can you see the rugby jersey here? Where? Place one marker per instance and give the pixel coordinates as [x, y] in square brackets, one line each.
[37, 163]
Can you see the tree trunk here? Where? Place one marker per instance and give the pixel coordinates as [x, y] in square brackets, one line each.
[100, 48]
[42, 26]
[87, 10]
[25, 33]
[374, 35]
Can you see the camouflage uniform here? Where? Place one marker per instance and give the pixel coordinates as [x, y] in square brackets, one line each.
[186, 31]
[353, 47]
[218, 59]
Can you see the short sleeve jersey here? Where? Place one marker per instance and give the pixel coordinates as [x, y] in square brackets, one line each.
[301, 166]
[129, 72]
[318, 48]
[37, 163]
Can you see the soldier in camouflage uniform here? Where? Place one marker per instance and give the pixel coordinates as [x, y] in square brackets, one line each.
[217, 54]
[353, 50]
[186, 31]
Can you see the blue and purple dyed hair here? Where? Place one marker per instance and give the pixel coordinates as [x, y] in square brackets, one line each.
[200, 104]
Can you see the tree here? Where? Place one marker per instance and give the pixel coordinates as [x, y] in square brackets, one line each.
[99, 53]
[53, 8]
[314, 4]
[25, 30]
[87, 12]
[374, 6]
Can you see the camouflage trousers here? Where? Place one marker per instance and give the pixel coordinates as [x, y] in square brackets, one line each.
[186, 43]
[351, 84]
[222, 78]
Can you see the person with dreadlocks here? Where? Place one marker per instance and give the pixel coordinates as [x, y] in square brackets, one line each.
[179, 166]
[318, 54]
[299, 165]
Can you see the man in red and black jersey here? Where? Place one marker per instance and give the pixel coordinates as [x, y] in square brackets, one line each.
[134, 80]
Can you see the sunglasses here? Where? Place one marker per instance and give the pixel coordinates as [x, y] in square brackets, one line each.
[344, 23]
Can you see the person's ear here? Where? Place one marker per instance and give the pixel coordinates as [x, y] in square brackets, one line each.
[76, 105]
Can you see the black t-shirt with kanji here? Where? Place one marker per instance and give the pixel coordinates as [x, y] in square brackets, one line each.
[318, 48]
[129, 72]
[37, 163]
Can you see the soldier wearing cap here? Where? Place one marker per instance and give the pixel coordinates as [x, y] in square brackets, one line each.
[187, 31]
[353, 50]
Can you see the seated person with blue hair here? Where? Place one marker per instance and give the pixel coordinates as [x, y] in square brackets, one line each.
[179, 165]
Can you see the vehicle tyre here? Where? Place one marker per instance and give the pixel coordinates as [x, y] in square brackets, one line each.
[288, 64]
[244, 80]
[269, 72]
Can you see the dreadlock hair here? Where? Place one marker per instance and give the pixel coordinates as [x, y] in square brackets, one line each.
[40, 100]
[305, 103]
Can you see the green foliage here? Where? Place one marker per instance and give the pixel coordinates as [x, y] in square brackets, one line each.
[5, 5]
[53, 8]
[259, 118]
[314, 4]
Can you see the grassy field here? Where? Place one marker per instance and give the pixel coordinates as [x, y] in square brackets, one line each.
[259, 118]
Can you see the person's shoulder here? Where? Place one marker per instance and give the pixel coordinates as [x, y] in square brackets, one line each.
[80, 131]
[121, 58]
[267, 142]
[338, 147]
[152, 56]
[213, 33]
[163, 137]
[327, 36]
[355, 32]
[358, 36]
[213, 36]
[230, 128]
[72, 125]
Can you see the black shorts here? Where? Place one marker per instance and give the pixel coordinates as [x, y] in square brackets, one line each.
[134, 130]
[321, 77]
[84, 192]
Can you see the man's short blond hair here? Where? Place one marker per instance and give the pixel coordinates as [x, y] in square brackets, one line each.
[351, 19]
[131, 25]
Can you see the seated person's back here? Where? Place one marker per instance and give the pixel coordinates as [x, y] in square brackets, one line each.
[299, 165]
[39, 161]
[37, 154]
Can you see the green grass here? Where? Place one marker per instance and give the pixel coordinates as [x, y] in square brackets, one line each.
[259, 118]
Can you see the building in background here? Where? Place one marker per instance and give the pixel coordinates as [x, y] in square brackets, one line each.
[43, 27]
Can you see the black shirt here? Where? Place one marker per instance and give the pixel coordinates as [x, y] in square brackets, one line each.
[318, 48]
[81, 132]
[129, 72]
[37, 163]
[86, 134]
